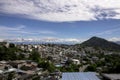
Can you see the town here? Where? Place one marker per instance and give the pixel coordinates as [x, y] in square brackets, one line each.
[52, 61]
[59, 39]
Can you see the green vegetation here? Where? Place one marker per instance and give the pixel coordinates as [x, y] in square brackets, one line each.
[47, 66]
[10, 53]
[11, 76]
[70, 68]
[92, 67]
[35, 56]
[114, 63]
[42, 63]
[111, 64]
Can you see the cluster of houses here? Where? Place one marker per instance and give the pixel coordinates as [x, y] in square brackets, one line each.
[57, 54]
[25, 70]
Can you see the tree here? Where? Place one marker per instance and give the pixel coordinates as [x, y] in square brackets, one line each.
[11, 45]
[7, 53]
[91, 68]
[47, 66]
[35, 56]
[68, 62]
[11, 76]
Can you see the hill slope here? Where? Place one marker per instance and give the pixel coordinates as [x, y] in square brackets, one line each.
[117, 42]
[101, 43]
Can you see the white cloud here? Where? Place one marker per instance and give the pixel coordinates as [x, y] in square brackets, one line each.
[21, 30]
[50, 39]
[114, 39]
[107, 32]
[5, 28]
[54, 39]
[46, 32]
[1, 40]
[6, 31]
[62, 10]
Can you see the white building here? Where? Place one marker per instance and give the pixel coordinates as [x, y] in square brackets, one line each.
[76, 61]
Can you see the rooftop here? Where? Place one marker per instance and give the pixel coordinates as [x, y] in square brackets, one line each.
[80, 76]
[112, 76]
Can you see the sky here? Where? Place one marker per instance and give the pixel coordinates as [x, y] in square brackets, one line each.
[65, 20]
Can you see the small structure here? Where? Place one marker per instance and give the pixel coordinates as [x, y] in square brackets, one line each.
[76, 61]
[80, 76]
[111, 76]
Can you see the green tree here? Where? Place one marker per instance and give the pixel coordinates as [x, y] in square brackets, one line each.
[11, 76]
[91, 68]
[11, 45]
[47, 66]
[35, 56]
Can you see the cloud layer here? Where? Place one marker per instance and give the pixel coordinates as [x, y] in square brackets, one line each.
[114, 39]
[17, 33]
[20, 30]
[62, 10]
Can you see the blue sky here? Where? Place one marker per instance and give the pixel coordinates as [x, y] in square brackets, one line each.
[30, 22]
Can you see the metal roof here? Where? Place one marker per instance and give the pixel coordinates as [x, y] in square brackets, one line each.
[79, 76]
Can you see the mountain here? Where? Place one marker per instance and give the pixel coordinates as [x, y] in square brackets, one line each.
[101, 43]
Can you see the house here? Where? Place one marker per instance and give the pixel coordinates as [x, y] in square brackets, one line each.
[2, 64]
[76, 61]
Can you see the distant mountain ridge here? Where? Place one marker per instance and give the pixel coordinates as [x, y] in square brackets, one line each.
[101, 43]
[42, 41]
